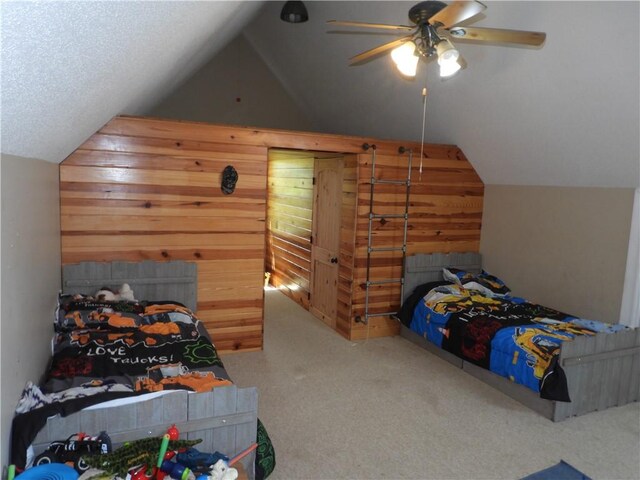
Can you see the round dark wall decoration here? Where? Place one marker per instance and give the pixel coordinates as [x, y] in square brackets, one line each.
[229, 179]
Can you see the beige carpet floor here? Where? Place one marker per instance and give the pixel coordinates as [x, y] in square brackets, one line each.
[386, 408]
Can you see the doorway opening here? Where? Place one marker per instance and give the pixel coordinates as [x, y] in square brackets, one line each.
[311, 220]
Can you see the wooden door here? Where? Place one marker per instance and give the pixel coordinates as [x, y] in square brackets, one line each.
[325, 245]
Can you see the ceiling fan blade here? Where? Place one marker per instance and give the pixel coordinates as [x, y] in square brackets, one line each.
[457, 12]
[498, 35]
[378, 50]
[371, 25]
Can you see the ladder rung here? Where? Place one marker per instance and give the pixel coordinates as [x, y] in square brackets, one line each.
[383, 282]
[394, 215]
[385, 314]
[389, 182]
[386, 249]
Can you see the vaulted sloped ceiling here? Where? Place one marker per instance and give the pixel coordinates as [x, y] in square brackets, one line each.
[564, 114]
[69, 67]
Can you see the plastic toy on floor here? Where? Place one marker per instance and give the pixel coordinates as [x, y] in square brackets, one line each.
[220, 471]
[72, 450]
[176, 471]
[199, 461]
[138, 455]
[53, 471]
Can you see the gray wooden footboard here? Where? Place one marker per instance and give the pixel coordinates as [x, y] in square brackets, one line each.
[602, 371]
[225, 419]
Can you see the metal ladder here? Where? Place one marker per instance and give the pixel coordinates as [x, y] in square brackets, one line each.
[374, 216]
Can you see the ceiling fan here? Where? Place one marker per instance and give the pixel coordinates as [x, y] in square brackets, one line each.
[435, 24]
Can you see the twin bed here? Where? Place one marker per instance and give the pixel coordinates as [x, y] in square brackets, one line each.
[133, 369]
[556, 364]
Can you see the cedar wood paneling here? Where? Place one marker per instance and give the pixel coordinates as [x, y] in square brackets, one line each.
[150, 189]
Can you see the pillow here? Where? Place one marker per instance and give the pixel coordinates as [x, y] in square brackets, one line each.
[79, 311]
[457, 276]
[483, 281]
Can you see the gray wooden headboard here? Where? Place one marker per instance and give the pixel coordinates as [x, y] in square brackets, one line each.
[423, 268]
[177, 280]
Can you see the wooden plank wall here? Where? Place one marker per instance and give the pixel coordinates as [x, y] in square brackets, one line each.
[445, 214]
[289, 217]
[144, 188]
[133, 197]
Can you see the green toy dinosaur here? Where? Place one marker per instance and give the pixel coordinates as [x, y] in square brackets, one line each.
[134, 453]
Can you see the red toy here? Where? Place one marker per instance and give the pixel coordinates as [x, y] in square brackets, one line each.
[173, 433]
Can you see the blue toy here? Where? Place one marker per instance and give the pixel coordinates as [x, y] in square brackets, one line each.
[177, 470]
[198, 461]
[52, 471]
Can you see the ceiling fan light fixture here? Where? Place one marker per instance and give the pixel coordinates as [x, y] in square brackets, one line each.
[448, 57]
[294, 12]
[406, 59]
[448, 69]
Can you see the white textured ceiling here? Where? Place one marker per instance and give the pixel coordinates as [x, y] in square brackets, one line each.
[565, 114]
[68, 67]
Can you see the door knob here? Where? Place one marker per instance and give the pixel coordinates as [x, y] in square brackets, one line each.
[334, 260]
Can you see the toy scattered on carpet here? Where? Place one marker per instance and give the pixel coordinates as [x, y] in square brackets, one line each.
[134, 454]
[156, 458]
[53, 471]
[221, 470]
[73, 450]
[209, 466]
[185, 465]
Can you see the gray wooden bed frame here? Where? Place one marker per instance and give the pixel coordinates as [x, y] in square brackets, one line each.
[602, 371]
[225, 418]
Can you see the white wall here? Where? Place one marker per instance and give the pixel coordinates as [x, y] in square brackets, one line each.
[30, 277]
[235, 87]
[563, 247]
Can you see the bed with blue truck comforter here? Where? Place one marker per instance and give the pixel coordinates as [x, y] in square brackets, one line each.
[556, 363]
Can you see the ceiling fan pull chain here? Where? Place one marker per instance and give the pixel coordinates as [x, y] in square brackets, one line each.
[424, 118]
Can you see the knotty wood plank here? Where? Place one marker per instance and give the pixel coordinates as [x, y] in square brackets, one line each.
[86, 174]
[129, 190]
[148, 127]
[153, 223]
[208, 208]
[214, 161]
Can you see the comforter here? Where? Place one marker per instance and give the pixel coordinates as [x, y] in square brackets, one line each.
[507, 335]
[145, 346]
